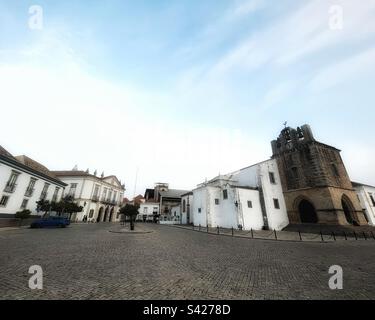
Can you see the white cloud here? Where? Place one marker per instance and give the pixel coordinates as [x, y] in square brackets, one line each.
[246, 7]
[278, 93]
[345, 70]
[298, 35]
[61, 115]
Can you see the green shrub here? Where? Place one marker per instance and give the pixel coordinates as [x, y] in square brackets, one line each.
[24, 214]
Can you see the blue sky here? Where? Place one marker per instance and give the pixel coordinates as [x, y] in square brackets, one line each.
[183, 90]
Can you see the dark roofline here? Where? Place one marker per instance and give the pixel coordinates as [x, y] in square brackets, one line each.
[244, 187]
[187, 194]
[326, 145]
[16, 164]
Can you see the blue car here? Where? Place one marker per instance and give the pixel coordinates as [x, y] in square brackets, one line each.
[50, 222]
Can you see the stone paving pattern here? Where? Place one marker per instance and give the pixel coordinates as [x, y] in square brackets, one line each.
[86, 261]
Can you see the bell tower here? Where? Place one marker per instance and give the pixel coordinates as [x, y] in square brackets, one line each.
[316, 185]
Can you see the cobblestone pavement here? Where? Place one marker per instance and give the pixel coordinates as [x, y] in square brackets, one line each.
[86, 261]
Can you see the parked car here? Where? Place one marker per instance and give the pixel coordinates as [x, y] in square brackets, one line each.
[50, 222]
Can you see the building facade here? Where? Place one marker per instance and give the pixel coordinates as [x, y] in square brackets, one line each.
[316, 185]
[250, 198]
[167, 199]
[23, 182]
[366, 196]
[100, 197]
[148, 211]
[186, 205]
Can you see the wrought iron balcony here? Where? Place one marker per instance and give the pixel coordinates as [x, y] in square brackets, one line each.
[10, 187]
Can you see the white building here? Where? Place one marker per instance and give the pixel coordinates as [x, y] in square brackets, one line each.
[251, 198]
[148, 211]
[167, 199]
[100, 197]
[366, 196]
[176, 214]
[186, 204]
[23, 182]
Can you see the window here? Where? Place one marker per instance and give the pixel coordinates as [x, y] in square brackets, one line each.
[217, 201]
[295, 172]
[272, 177]
[91, 214]
[4, 201]
[372, 199]
[24, 203]
[199, 210]
[225, 194]
[96, 191]
[276, 203]
[114, 196]
[44, 191]
[72, 190]
[184, 205]
[104, 193]
[30, 188]
[11, 184]
[249, 204]
[145, 210]
[55, 194]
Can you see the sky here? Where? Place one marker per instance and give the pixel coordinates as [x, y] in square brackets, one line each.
[178, 91]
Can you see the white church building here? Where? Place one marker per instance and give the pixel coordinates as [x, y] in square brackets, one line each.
[250, 198]
[366, 196]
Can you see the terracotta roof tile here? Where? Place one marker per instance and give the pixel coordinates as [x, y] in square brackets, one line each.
[35, 165]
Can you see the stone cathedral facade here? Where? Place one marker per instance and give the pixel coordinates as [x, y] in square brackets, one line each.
[316, 185]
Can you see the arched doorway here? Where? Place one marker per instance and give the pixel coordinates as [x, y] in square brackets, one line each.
[100, 215]
[106, 214]
[111, 215]
[348, 209]
[307, 212]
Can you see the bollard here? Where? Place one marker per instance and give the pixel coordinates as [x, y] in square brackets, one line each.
[274, 230]
[334, 237]
[199, 228]
[321, 236]
[355, 235]
[300, 236]
[364, 235]
[346, 238]
[232, 232]
[207, 228]
[218, 230]
[252, 233]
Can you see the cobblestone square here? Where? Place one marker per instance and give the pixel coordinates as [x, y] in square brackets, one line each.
[86, 261]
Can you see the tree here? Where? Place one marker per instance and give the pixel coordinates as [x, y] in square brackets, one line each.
[43, 205]
[130, 211]
[65, 205]
[22, 215]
